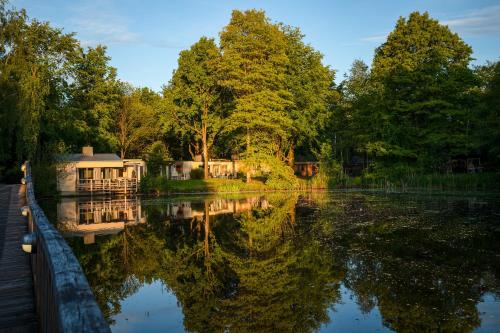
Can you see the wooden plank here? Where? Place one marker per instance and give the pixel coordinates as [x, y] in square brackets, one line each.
[17, 301]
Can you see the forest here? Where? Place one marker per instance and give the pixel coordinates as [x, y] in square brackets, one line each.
[258, 93]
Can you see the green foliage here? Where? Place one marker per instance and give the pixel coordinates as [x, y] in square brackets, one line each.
[253, 68]
[262, 94]
[35, 60]
[195, 93]
[281, 176]
[196, 173]
[417, 108]
[95, 95]
[331, 173]
[311, 85]
[157, 157]
[136, 121]
[45, 179]
[487, 131]
[426, 83]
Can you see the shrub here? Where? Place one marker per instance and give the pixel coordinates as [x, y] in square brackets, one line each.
[197, 173]
[45, 179]
[156, 157]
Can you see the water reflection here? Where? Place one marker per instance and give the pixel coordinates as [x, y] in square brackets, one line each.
[289, 263]
[88, 217]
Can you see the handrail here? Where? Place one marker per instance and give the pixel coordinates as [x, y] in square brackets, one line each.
[64, 300]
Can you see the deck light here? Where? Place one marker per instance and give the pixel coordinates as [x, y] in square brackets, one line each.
[25, 210]
[29, 243]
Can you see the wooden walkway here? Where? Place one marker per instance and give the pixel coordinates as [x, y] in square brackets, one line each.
[17, 301]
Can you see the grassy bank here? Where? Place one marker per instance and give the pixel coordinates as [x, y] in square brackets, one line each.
[160, 185]
[432, 182]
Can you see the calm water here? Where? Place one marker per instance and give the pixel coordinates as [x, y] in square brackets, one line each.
[282, 262]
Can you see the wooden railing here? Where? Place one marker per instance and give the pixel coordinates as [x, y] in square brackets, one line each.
[108, 185]
[64, 300]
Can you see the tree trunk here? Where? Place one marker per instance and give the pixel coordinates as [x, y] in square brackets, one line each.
[204, 141]
[249, 173]
[207, 229]
[291, 155]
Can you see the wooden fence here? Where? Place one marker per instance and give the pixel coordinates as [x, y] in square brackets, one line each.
[64, 300]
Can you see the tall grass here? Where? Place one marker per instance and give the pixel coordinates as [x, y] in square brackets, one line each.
[411, 181]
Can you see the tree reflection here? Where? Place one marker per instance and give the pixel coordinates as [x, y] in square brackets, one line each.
[426, 265]
[278, 266]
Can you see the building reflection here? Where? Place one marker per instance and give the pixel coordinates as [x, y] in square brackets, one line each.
[88, 217]
[185, 210]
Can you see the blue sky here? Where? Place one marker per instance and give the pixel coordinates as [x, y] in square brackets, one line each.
[144, 37]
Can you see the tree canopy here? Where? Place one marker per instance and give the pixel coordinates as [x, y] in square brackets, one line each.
[260, 94]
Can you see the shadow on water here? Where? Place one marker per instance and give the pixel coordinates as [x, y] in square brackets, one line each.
[284, 262]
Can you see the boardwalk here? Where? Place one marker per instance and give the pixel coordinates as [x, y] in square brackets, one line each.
[17, 304]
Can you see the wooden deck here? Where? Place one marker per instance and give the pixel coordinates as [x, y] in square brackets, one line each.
[17, 302]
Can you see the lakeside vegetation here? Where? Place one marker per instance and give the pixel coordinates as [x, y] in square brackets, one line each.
[487, 182]
[263, 95]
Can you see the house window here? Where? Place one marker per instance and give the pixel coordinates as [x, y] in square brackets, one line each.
[106, 173]
[120, 172]
[86, 173]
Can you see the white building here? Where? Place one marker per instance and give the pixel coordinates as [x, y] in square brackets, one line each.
[102, 173]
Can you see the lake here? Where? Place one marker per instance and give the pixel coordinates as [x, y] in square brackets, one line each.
[291, 262]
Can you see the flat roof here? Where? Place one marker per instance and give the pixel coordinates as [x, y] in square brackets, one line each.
[90, 158]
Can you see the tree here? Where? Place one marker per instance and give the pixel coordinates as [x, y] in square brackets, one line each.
[311, 85]
[487, 131]
[253, 68]
[34, 66]
[195, 92]
[156, 157]
[135, 119]
[95, 96]
[426, 103]
[355, 121]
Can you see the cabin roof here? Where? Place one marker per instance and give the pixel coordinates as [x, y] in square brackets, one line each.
[94, 157]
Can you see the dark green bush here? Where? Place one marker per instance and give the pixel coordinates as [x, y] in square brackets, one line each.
[198, 173]
[45, 179]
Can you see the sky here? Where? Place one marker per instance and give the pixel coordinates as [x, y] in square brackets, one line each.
[144, 37]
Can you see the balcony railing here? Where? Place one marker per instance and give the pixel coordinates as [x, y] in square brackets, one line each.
[123, 185]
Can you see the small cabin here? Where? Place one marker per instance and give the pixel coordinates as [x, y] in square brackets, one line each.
[98, 173]
[216, 169]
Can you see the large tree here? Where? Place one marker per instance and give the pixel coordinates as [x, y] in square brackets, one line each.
[311, 85]
[426, 104]
[253, 68]
[95, 97]
[356, 122]
[34, 60]
[135, 119]
[487, 132]
[195, 93]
